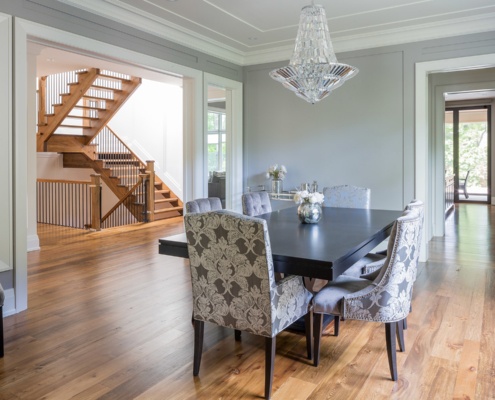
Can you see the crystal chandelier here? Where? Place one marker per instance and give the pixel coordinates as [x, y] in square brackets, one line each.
[313, 71]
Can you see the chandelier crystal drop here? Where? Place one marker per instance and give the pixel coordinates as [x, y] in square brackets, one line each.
[313, 71]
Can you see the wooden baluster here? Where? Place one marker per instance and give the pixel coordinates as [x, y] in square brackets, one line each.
[96, 202]
[150, 169]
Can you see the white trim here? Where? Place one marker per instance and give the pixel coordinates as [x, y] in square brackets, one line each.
[33, 243]
[9, 304]
[423, 167]
[26, 29]
[7, 262]
[233, 104]
[273, 52]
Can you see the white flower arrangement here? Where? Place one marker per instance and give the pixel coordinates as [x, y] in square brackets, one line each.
[276, 172]
[304, 196]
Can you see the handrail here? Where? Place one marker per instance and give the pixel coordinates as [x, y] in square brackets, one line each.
[63, 181]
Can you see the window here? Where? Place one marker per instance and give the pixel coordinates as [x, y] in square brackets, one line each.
[216, 141]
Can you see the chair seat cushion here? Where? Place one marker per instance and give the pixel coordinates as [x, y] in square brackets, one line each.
[329, 299]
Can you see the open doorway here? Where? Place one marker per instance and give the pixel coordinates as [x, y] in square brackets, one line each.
[467, 155]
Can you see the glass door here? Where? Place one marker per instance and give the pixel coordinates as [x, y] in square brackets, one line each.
[467, 156]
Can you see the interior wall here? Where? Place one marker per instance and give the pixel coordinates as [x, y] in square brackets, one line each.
[337, 141]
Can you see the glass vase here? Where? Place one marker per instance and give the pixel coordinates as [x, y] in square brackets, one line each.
[309, 213]
[277, 186]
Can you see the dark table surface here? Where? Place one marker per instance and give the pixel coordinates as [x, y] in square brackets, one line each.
[324, 250]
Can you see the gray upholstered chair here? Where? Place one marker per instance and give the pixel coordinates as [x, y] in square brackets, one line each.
[386, 299]
[373, 262]
[203, 205]
[2, 300]
[256, 203]
[233, 283]
[347, 196]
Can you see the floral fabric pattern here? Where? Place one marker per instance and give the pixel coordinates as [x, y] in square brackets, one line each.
[347, 196]
[233, 278]
[388, 298]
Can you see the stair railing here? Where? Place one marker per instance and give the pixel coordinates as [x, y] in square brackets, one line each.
[74, 204]
[115, 155]
[50, 90]
[130, 209]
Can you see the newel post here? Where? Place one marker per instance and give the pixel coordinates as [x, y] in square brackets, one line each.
[150, 170]
[96, 202]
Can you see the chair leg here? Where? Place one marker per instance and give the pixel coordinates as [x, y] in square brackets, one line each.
[391, 350]
[404, 323]
[336, 325]
[199, 328]
[237, 334]
[270, 344]
[318, 326]
[400, 335]
[308, 325]
[1, 332]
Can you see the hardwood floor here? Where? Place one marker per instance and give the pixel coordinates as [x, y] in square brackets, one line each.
[109, 318]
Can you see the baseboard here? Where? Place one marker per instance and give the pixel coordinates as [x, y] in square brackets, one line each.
[9, 304]
[33, 243]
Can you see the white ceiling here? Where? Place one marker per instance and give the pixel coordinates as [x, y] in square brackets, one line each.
[249, 32]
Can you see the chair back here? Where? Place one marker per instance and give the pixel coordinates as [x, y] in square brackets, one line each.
[347, 196]
[256, 203]
[203, 205]
[231, 271]
[388, 299]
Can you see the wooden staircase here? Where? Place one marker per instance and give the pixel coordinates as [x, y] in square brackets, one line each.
[75, 124]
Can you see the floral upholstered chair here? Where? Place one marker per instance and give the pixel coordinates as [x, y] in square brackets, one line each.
[386, 299]
[256, 203]
[233, 283]
[204, 205]
[347, 196]
[370, 270]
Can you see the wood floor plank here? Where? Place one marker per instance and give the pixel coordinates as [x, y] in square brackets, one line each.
[109, 318]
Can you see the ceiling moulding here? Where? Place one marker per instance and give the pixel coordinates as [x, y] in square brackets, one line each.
[114, 10]
[386, 37]
[164, 29]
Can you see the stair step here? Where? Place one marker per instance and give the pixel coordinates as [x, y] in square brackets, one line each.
[86, 107]
[103, 75]
[81, 117]
[106, 88]
[97, 98]
[165, 210]
[73, 126]
[163, 191]
[169, 200]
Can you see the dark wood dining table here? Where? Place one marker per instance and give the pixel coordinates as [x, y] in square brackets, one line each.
[323, 250]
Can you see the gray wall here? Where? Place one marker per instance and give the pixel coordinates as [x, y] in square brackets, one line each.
[362, 134]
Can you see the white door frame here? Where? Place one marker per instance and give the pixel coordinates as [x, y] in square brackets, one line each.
[425, 161]
[233, 90]
[193, 125]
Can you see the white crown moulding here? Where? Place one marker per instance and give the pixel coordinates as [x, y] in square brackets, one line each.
[120, 12]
